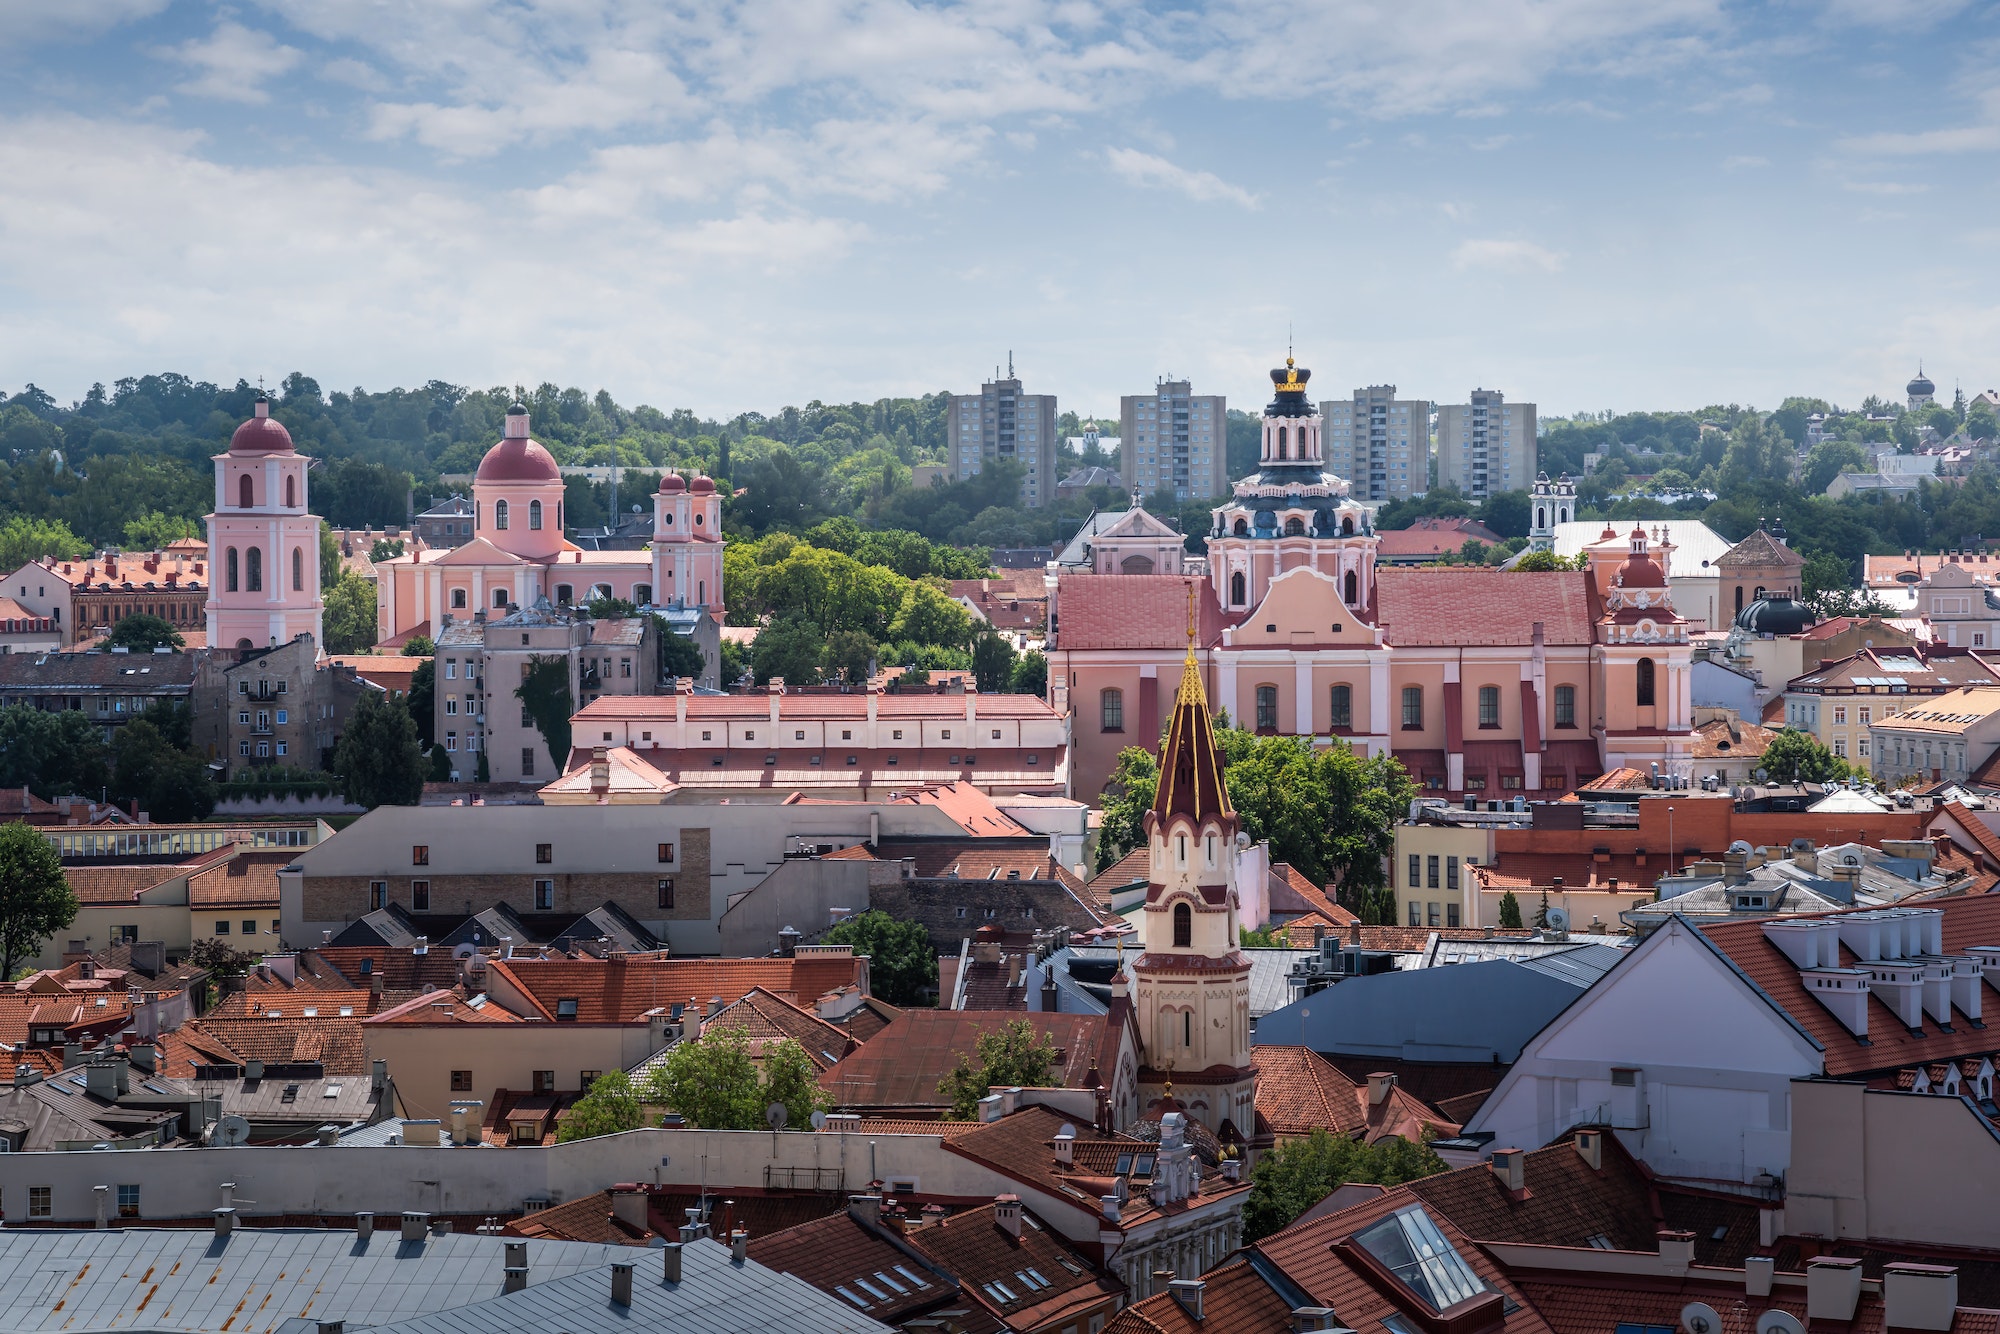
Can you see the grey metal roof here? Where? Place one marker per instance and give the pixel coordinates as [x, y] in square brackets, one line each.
[1269, 971]
[1581, 967]
[265, 1280]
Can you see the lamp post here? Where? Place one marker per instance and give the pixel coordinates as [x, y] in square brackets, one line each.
[1670, 839]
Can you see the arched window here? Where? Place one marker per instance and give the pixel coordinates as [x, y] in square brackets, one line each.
[1489, 706]
[1295, 527]
[291, 492]
[1267, 708]
[564, 595]
[1565, 706]
[230, 562]
[1111, 710]
[1739, 599]
[499, 597]
[1241, 529]
[1645, 683]
[298, 570]
[500, 515]
[1342, 714]
[1281, 442]
[1413, 708]
[602, 591]
[458, 599]
[1353, 589]
[1183, 927]
[245, 495]
[1236, 585]
[1347, 526]
[642, 594]
[1759, 597]
[253, 569]
[535, 515]
[1541, 515]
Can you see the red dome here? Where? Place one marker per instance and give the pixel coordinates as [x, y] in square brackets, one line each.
[261, 434]
[1641, 572]
[518, 459]
[702, 485]
[673, 484]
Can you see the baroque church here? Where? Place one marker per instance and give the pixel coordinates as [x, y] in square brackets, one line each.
[1486, 683]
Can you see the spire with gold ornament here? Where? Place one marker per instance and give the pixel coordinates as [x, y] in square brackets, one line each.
[1190, 763]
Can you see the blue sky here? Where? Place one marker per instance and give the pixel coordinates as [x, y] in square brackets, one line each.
[724, 206]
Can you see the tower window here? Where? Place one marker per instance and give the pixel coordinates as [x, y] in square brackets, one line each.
[1489, 706]
[298, 570]
[1645, 681]
[535, 515]
[500, 514]
[1295, 527]
[1183, 927]
[254, 569]
[1236, 582]
[291, 493]
[1352, 592]
[230, 562]
[245, 497]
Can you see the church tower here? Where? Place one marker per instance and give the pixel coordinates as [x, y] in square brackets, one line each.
[1191, 985]
[688, 543]
[263, 545]
[1554, 505]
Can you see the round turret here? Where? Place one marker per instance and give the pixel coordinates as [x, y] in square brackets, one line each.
[702, 485]
[262, 434]
[517, 458]
[1775, 616]
[673, 484]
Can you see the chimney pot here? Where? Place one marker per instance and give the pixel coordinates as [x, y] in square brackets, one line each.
[739, 1246]
[621, 1284]
[1511, 1168]
[1917, 1296]
[1189, 1293]
[1676, 1251]
[670, 1262]
[1590, 1147]
[415, 1225]
[364, 1225]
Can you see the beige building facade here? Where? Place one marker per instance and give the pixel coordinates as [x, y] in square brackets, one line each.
[1487, 445]
[1174, 439]
[1379, 442]
[1001, 423]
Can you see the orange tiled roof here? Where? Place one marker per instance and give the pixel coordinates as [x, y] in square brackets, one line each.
[247, 880]
[902, 1065]
[622, 992]
[1298, 1091]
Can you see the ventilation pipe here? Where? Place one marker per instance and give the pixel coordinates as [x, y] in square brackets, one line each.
[364, 1226]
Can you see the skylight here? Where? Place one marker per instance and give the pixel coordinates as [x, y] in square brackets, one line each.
[850, 1296]
[911, 1277]
[1410, 1246]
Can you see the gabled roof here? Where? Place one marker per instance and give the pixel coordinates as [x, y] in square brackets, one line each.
[1759, 549]
[624, 991]
[1132, 611]
[1448, 608]
[902, 1065]
[247, 880]
[765, 1018]
[838, 1253]
[968, 807]
[1235, 1297]
[1299, 1091]
[479, 551]
[984, 1257]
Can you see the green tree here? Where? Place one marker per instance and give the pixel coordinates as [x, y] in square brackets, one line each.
[440, 771]
[679, 654]
[1798, 757]
[1757, 452]
[1299, 1173]
[385, 548]
[735, 663]
[791, 1078]
[1009, 1056]
[1031, 674]
[1827, 585]
[422, 702]
[1542, 913]
[610, 1106]
[1125, 800]
[350, 614]
[711, 1081]
[379, 759]
[1540, 562]
[35, 898]
[1510, 910]
[850, 654]
[419, 646]
[142, 633]
[152, 531]
[1264, 937]
[23, 539]
[52, 754]
[992, 662]
[1827, 460]
[901, 961]
[171, 785]
[791, 647]
[544, 693]
[927, 616]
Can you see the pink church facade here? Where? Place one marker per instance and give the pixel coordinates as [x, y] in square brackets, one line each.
[263, 542]
[518, 555]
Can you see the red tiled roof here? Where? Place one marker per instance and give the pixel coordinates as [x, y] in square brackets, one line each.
[247, 880]
[1234, 1298]
[1299, 1091]
[1132, 611]
[1968, 920]
[834, 1251]
[333, 1041]
[1579, 870]
[98, 1011]
[968, 807]
[1432, 536]
[1291, 893]
[622, 992]
[765, 1018]
[902, 1065]
[1470, 606]
[972, 1247]
[805, 705]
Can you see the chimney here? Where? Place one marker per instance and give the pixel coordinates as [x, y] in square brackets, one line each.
[621, 1284]
[1108, 1208]
[1758, 1274]
[1007, 1213]
[628, 1205]
[364, 1226]
[101, 1192]
[25, 1075]
[865, 1208]
[989, 1108]
[1379, 1085]
[1590, 1148]
[415, 1225]
[1676, 1251]
[670, 1262]
[328, 1135]
[517, 1266]
[1833, 1288]
[1510, 1168]
[1188, 1292]
[739, 1246]
[1312, 1319]
[600, 771]
[1065, 1144]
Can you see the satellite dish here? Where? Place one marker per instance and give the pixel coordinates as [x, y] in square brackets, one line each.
[1700, 1318]
[818, 1120]
[776, 1115]
[1068, 1131]
[463, 951]
[232, 1130]
[1779, 1322]
[1558, 919]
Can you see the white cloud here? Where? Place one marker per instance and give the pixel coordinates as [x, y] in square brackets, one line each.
[1902, 14]
[1749, 95]
[28, 22]
[233, 63]
[1744, 162]
[1150, 172]
[1505, 257]
[1883, 188]
[1963, 139]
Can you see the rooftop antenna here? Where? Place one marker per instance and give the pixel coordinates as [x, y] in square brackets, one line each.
[1010, 363]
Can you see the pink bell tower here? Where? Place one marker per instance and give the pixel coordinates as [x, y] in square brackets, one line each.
[688, 543]
[263, 544]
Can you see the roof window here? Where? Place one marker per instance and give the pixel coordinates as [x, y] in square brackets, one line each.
[566, 1008]
[1409, 1245]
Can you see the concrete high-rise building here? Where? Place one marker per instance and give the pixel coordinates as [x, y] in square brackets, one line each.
[1001, 422]
[1379, 443]
[1174, 438]
[1486, 446]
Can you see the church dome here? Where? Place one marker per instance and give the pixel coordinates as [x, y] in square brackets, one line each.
[673, 484]
[517, 458]
[702, 485]
[262, 434]
[1289, 385]
[1775, 616]
[1641, 572]
[1921, 385]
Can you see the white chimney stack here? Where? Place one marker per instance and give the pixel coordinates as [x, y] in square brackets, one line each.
[1833, 1287]
[1919, 1296]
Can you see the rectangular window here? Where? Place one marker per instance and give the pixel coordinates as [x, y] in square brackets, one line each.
[249, 925]
[1431, 872]
[527, 761]
[420, 896]
[545, 853]
[1451, 873]
[1267, 708]
[451, 706]
[378, 895]
[1840, 714]
[283, 714]
[545, 1081]
[1489, 706]
[420, 855]
[451, 669]
[281, 747]
[1416, 914]
[221, 926]
[1413, 708]
[1865, 714]
[1451, 914]
[1565, 706]
[1840, 746]
[1111, 711]
[1342, 712]
[1430, 914]
[41, 1202]
[461, 1081]
[1416, 872]
[545, 896]
[666, 853]
[666, 891]
[128, 1201]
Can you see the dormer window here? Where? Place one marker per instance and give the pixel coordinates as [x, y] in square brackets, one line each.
[1410, 1246]
[566, 1008]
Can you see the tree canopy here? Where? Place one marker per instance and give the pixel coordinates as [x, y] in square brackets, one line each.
[714, 1081]
[379, 759]
[1299, 1173]
[35, 898]
[142, 633]
[1799, 757]
[902, 965]
[608, 1107]
[1012, 1055]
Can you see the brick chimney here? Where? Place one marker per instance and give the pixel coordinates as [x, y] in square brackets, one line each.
[1007, 1214]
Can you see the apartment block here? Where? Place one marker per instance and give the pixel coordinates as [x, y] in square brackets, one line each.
[1174, 438]
[1487, 445]
[1001, 422]
[1380, 443]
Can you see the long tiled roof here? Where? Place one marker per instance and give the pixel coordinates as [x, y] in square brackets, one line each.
[333, 1041]
[247, 880]
[902, 1065]
[803, 705]
[1299, 1091]
[837, 1253]
[622, 992]
[1132, 611]
[1467, 607]
[1235, 1297]
[973, 1247]
[131, 673]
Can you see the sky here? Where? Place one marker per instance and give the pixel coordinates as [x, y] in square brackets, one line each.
[722, 206]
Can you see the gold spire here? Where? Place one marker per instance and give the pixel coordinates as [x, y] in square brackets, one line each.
[1190, 765]
[1191, 691]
